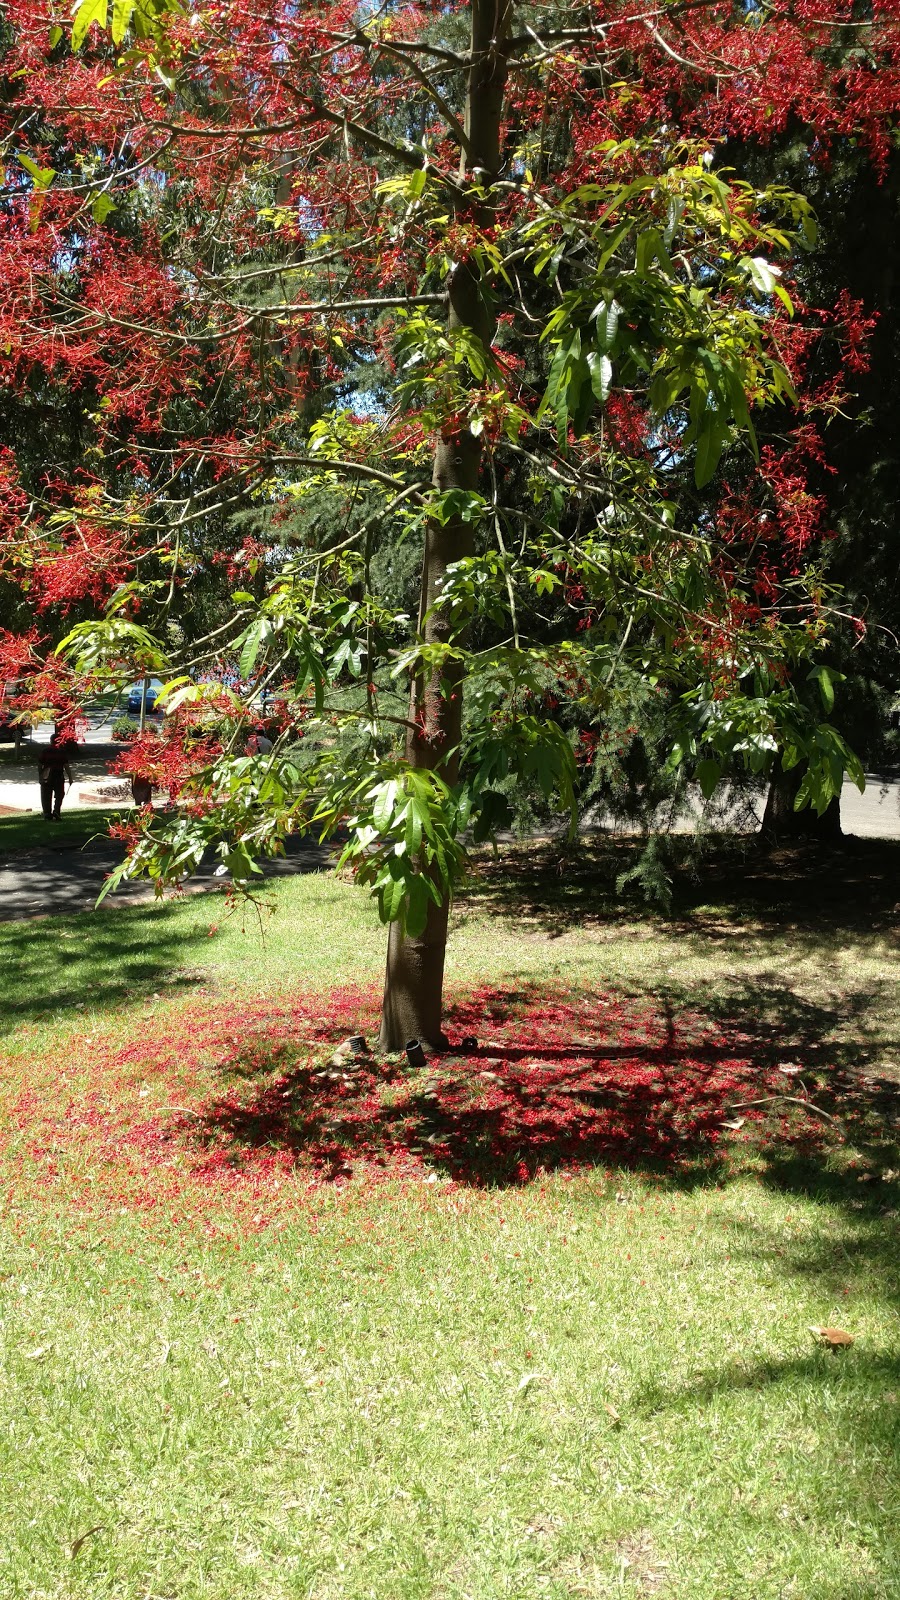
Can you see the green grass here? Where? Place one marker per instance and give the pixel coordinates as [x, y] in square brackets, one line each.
[600, 1383]
[798, 954]
[76, 826]
[408, 1394]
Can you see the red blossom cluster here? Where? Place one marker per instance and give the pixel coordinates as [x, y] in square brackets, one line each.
[167, 758]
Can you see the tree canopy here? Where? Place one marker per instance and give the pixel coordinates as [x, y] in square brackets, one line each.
[403, 374]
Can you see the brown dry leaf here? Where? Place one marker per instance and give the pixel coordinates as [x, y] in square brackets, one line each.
[84, 1538]
[835, 1338]
[614, 1415]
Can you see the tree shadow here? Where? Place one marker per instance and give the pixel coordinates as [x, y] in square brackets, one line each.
[817, 894]
[493, 1116]
[652, 1090]
[849, 1467]
[68, 954]
[784, 1026]
[98, 959]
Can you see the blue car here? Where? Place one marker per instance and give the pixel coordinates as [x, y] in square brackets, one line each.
[134, 696]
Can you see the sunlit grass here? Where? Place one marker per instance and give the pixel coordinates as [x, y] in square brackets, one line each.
[600, 1382]
[428, 1391]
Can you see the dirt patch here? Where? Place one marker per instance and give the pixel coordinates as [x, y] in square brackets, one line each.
[636, 1570]
[640, 1565]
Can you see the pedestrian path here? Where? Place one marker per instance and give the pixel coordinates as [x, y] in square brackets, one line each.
[52, 878]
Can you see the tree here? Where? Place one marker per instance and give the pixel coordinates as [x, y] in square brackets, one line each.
[855, 196]
[219, 217]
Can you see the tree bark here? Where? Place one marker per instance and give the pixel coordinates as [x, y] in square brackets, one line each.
[781, 823]
[414, 979]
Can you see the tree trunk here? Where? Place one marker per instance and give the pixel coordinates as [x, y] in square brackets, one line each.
[414, 978]
[781, 823]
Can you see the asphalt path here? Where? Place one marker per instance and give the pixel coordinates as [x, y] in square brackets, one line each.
[52, 878]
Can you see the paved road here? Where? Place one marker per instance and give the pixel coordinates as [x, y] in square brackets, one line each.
[53, 878]
[96, 727]
[875, 814]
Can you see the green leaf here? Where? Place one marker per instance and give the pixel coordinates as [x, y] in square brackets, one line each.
[783, 385]
[826, 680]
[414, 815]
[709, 448]
[101, 206]
[608, 324]
[84, 14]
[41, 176]
[257, 635]
[56, 34]
[708, 774]
[601, 370]
[113, 880]
[760, 274]
[240, 863]
[650, 248]
[665, 389]
[416, 185]
[122, 14]
[391, 894]
[385, 804]
[169, 689]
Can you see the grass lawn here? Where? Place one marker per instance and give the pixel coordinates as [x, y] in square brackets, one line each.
[76, 826]
[531, 1322]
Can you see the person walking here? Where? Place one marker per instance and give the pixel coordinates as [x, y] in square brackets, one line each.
[53, 769]
[141, 791]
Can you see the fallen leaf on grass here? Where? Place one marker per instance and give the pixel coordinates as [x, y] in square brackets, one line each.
[528, 1380]
[835, 1338]
[35, 1355]
[84, 1537]
[737, 1123]
[614, 1415]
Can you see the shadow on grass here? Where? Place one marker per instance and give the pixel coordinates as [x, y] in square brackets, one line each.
[841, 1413]
[870, 1372]
[98, 959]
[78, 826]
[785, 1026]
[815, 894]
[650, 1090]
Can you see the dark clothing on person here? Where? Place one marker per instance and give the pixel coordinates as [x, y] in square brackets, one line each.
[53, 769]
[52, 790]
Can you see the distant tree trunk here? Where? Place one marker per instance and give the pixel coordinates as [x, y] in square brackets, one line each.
[782, 823]
[413, 992]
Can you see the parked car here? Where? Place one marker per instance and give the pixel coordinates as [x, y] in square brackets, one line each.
[134, 696]
[9, 728]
